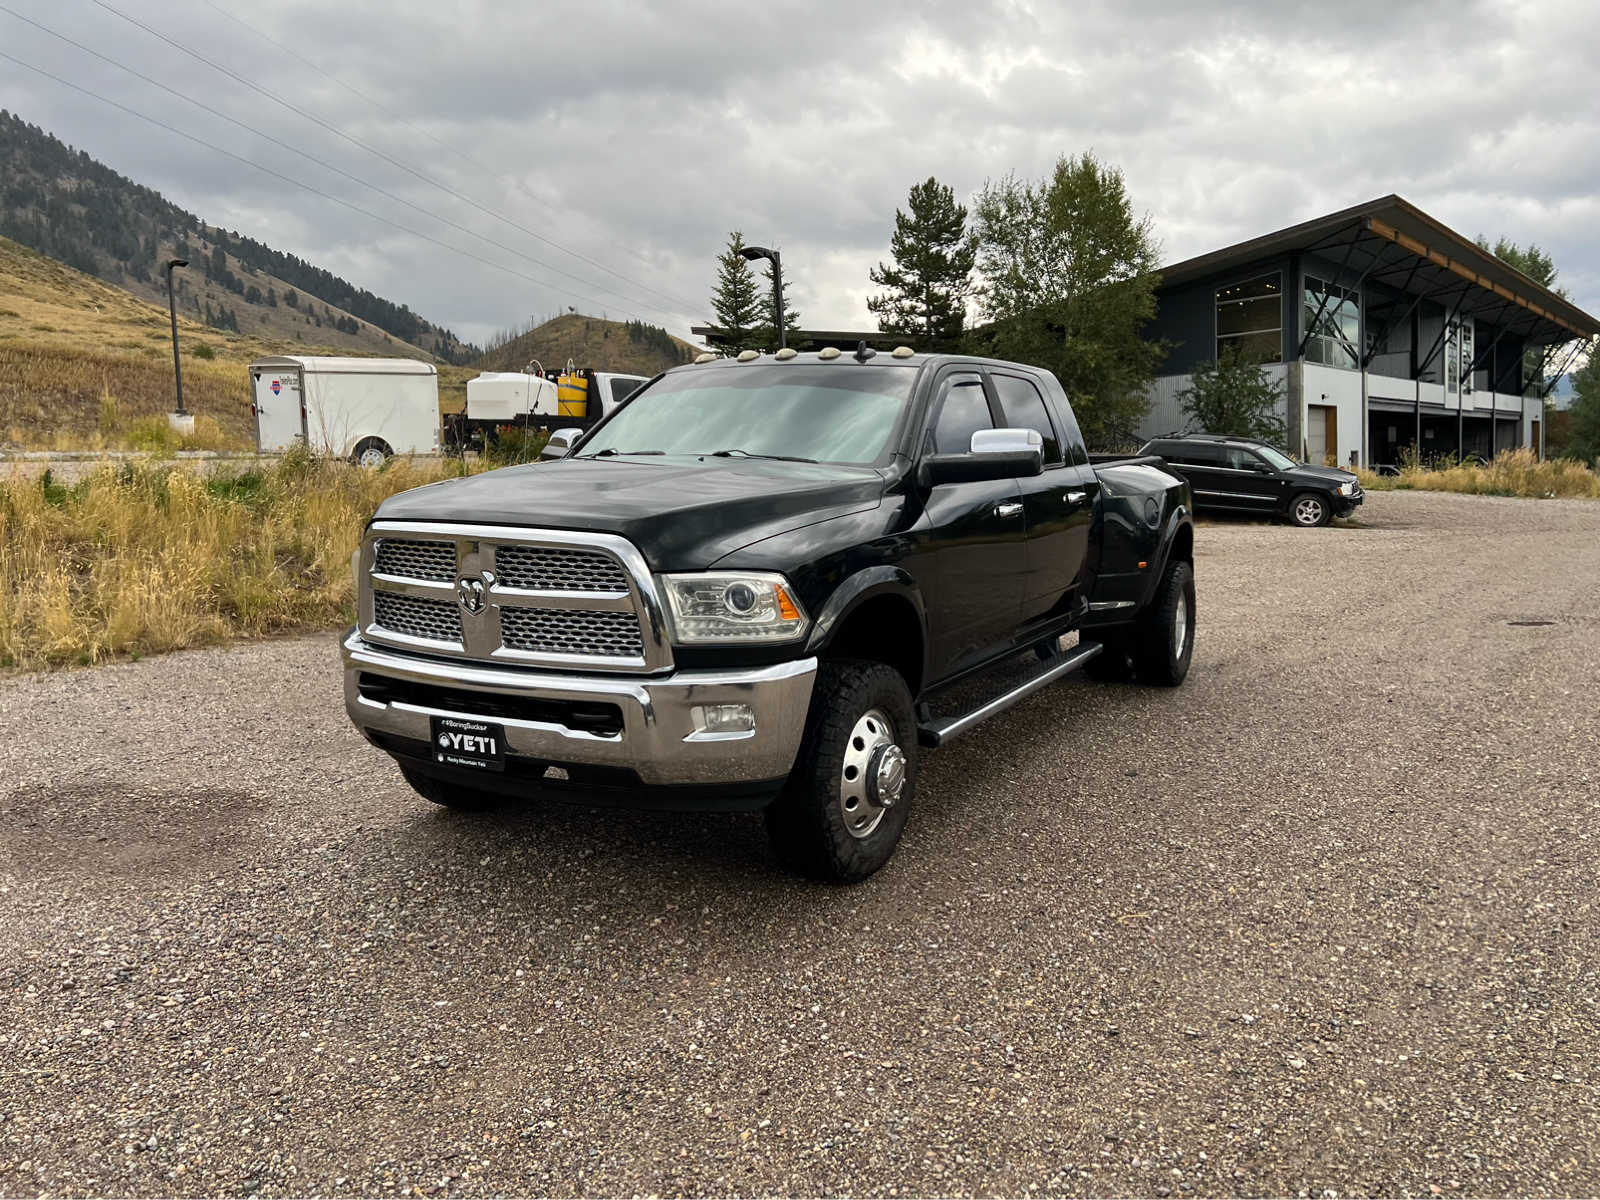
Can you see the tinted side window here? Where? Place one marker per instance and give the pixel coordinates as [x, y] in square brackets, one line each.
[963, 410]
[1239, 459]
[1197, 454]
[1022, 407]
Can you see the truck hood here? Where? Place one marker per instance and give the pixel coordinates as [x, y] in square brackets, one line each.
[682, 513]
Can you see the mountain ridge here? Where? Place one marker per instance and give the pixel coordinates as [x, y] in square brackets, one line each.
[69, 206]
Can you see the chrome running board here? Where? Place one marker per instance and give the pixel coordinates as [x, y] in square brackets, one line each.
[938, 731]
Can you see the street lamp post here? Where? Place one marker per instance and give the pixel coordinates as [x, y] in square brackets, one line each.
[754, 252]
[172, 309]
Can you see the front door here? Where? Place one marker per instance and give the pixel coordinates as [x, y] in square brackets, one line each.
[971, 539]
[1322, 435]
[280, 417]
[1255, 483]
[1059, 503]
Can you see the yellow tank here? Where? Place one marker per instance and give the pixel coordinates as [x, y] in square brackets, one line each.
[572, 396]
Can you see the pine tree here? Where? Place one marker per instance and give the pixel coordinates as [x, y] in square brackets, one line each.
[932, 272]
[735, 302]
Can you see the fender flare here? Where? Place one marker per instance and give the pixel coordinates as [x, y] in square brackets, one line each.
[867, 584]
[1176, 520]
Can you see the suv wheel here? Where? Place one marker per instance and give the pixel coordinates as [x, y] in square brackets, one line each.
[1165, 645]
[1308, 510]
[451, 795]
[841, 814]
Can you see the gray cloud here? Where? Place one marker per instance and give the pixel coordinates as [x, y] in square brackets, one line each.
[638, 135]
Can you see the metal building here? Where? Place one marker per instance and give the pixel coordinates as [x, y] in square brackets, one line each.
[1387, 329]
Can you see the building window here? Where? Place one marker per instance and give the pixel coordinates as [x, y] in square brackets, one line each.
[1333, 324]
[1250, 319]
[1466, 357]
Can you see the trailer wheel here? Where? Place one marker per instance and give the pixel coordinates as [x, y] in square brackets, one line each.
[371, 453]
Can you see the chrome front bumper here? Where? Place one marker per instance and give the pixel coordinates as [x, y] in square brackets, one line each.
[658, 739]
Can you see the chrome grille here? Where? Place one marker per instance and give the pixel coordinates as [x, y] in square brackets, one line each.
[417, 560]
[551, 569]
[501, 593]
[601, 633]
[414, 616]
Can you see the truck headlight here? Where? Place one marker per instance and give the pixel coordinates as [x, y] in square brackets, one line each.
[733, 606]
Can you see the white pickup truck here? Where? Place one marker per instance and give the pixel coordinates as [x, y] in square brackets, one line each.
[520, 399]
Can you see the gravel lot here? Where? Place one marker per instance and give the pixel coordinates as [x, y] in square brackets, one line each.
[1327, 919]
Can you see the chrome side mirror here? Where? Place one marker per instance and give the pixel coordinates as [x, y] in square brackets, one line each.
[992, 454]
[1007, 441]
[560, 443]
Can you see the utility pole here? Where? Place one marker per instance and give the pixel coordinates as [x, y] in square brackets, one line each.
[180, 419]
[754, 252]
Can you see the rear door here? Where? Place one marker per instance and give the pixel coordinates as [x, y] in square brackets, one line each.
[1201, 464]
[972, 538]
[279, 405]
[1059, 502]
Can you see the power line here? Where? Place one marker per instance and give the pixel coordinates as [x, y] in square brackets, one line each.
[417, 233]
[354, 141]
[508, 180]
[312, 158]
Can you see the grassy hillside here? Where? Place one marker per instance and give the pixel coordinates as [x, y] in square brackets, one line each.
[63, 203]
[631, 348]
[85, 365]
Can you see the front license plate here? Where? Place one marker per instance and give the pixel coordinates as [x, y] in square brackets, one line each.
[461, 743]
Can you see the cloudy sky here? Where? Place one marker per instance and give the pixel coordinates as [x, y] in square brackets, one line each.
[600, 152]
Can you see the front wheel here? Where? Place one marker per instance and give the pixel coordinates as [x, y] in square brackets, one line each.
[845, 805]
[1165, 642]
[1309, 510]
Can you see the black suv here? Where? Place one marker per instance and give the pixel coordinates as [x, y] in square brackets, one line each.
[1245, 475]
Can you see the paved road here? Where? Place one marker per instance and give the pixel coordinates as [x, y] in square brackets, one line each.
[1326, 918]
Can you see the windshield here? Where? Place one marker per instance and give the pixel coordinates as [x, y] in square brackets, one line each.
[1277, 458]
[839, 412]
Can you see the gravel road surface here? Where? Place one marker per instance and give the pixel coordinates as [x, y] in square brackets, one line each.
[1325, 920]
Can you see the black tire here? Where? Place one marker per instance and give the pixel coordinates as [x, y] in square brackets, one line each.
[1309, 510]
[451, 795]
[371, 445]
[807, 823]
[1160, 657]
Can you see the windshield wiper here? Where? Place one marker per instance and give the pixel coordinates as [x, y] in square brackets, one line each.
[609, 452]
[751, 454]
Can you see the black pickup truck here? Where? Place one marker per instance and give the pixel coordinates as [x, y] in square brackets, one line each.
[763, 583]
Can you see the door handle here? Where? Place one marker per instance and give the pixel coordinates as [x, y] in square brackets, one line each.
[1076, 497]
[1010, 508]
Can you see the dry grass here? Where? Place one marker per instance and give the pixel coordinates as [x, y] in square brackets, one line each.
[85, 365]
[141, 559]
[1512, 473]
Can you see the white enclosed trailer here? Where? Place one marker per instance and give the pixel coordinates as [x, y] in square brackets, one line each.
[360, 408]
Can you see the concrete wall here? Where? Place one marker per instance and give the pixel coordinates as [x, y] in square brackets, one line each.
[1341, 390]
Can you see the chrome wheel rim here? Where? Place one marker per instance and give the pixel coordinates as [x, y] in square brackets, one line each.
[1180, 628]
[872, 778]
[1308, 511]
[371, 457]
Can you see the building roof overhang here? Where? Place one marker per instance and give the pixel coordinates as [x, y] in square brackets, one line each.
[1391, 241]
